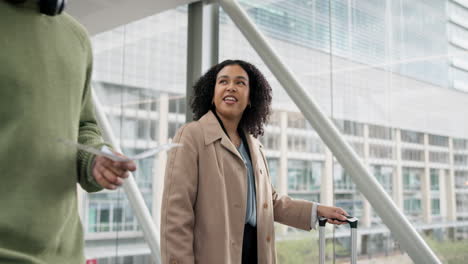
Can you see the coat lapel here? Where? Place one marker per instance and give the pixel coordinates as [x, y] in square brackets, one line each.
[253, 147]
[255, 155]
[226, 143]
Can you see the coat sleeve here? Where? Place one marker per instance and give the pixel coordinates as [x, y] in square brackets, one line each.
[179, 197]
[292, 212]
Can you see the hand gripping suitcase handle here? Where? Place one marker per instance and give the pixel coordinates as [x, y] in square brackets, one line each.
[353, 223]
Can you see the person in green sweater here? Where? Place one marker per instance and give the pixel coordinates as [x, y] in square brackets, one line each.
[45, 95]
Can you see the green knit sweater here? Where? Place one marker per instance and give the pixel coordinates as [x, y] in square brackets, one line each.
[45, 74]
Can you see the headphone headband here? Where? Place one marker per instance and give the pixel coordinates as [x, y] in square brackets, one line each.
[52, 7]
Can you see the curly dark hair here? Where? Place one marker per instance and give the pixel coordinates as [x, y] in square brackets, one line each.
[255, 115]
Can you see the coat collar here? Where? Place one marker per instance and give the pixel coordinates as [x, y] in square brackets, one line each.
[213, 131]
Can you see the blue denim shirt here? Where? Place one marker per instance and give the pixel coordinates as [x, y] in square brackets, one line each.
[251, 211]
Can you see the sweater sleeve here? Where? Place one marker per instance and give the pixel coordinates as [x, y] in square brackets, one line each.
[89, 134]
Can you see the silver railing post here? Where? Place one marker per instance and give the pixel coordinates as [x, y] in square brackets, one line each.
[202, 44]
[150, 232]
[405, 233]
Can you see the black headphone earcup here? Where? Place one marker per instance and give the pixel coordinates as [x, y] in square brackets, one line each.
[51, 7]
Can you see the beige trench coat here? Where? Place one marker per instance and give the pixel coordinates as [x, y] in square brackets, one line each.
[205, 196]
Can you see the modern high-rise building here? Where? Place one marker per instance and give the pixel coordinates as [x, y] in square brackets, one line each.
[391, 75]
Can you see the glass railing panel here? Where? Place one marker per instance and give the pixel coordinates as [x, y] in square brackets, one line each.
[139, 78]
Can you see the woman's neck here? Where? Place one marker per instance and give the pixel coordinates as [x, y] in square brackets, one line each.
[230, 125]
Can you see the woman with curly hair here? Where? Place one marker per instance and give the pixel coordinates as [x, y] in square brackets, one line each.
[218, 202]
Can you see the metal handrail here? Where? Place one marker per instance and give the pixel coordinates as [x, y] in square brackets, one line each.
[401, 228]
[150, 231]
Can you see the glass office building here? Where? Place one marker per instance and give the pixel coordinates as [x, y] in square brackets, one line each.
[392, 75]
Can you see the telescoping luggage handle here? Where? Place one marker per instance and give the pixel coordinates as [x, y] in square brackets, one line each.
[353, 223]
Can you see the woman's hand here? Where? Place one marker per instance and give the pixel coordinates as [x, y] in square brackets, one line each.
[332, 212]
